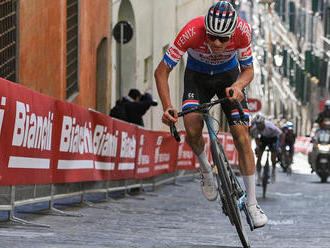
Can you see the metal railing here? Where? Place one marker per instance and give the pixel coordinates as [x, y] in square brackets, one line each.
[12, 197]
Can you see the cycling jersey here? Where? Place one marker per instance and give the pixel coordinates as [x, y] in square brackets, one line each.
[270, 131]
[192, 39]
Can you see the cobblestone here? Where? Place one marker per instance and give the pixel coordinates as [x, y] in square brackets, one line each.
[179, 216]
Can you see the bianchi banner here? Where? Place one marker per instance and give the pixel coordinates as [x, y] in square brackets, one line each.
[45, 140]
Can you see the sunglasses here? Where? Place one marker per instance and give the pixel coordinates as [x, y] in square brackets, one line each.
[221, 39]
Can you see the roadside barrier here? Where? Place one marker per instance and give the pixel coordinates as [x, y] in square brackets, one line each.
[303, 144]
[52, 149]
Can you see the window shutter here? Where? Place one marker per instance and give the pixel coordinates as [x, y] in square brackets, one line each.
[292, 16]
[315, 5]
[308, 61]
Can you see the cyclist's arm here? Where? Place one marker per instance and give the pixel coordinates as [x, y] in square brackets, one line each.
[282, 139]
[161, 74]
[245, 77]
[243, 80]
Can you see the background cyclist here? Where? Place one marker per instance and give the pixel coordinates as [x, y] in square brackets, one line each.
[289, 138]
[266, 134]
[219, 59]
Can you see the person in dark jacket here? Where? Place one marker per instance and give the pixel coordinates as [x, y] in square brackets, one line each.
[324, 115]
[137, 105]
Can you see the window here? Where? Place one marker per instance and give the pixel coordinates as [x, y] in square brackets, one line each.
[71, 47]
[8, 42]
[303, 23]
[292, 17]
[316, 5]
[283, 10]
[148, 70]
[327, 23]
[310, 28]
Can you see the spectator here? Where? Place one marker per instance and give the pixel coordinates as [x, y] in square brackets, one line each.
[133, 106]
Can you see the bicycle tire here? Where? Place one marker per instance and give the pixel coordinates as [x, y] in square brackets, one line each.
[265, 178]
[234, 213]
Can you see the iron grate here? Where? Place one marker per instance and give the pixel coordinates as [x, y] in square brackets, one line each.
[71, 47]
[8, 27]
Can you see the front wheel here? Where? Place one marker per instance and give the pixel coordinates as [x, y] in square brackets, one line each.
[225, 186]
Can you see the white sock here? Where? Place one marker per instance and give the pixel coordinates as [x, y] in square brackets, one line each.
[249, 182]
[204, 162]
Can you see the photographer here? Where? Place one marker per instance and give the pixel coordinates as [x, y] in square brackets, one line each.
[132, 107]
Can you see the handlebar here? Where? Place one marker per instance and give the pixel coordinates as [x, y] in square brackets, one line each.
[173, 130]
[202, 107]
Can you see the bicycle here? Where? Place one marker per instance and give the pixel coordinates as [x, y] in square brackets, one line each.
[232, 196]
[265, 175]
[287, 160]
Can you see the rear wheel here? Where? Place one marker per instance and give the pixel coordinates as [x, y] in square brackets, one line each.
[225, 186]
[324, 179]
[265, 178]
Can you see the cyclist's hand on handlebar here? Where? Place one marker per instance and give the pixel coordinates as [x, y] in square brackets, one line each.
[237, 94]
[167, 118]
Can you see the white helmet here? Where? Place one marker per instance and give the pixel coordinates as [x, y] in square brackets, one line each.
[326, 105]
[289, 125]
[259, 119]
[221, 19]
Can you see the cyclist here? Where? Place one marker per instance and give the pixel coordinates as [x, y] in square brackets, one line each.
[219, 60]
[266, 134]
[324, 115]
[289, 137]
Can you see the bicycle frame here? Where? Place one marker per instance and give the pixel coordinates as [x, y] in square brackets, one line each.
[232, 197]
[213, 139]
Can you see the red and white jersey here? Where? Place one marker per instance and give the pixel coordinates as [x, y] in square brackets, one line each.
[192, 39]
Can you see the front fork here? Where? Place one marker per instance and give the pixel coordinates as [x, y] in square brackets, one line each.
[237, 189]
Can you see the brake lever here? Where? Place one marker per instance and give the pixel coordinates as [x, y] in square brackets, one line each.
[173, 130]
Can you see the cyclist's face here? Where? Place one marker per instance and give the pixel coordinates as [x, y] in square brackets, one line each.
[260, 126]
[217, 44]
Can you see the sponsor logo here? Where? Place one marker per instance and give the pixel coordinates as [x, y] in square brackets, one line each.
[142, 159]
[128, 146]
[32, 130]
[245, 29]
[79, 138]
[174, 53]
[247, 53]
[184, 37]
[161, 157]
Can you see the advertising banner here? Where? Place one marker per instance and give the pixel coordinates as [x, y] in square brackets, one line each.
[303, 144]
[146, 141]
[44, 140]
[166, 152]
[27, 120]
[186, 157]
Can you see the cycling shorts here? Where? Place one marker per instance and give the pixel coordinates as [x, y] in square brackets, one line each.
[271, 142]
[201, 88]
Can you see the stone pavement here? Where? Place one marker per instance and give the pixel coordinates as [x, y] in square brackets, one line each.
[179, 216]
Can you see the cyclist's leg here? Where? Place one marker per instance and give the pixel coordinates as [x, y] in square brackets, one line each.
[261, 149]
[273, 148]
[196, 91]
[274, 151]
[193, 122]
[239, 130]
